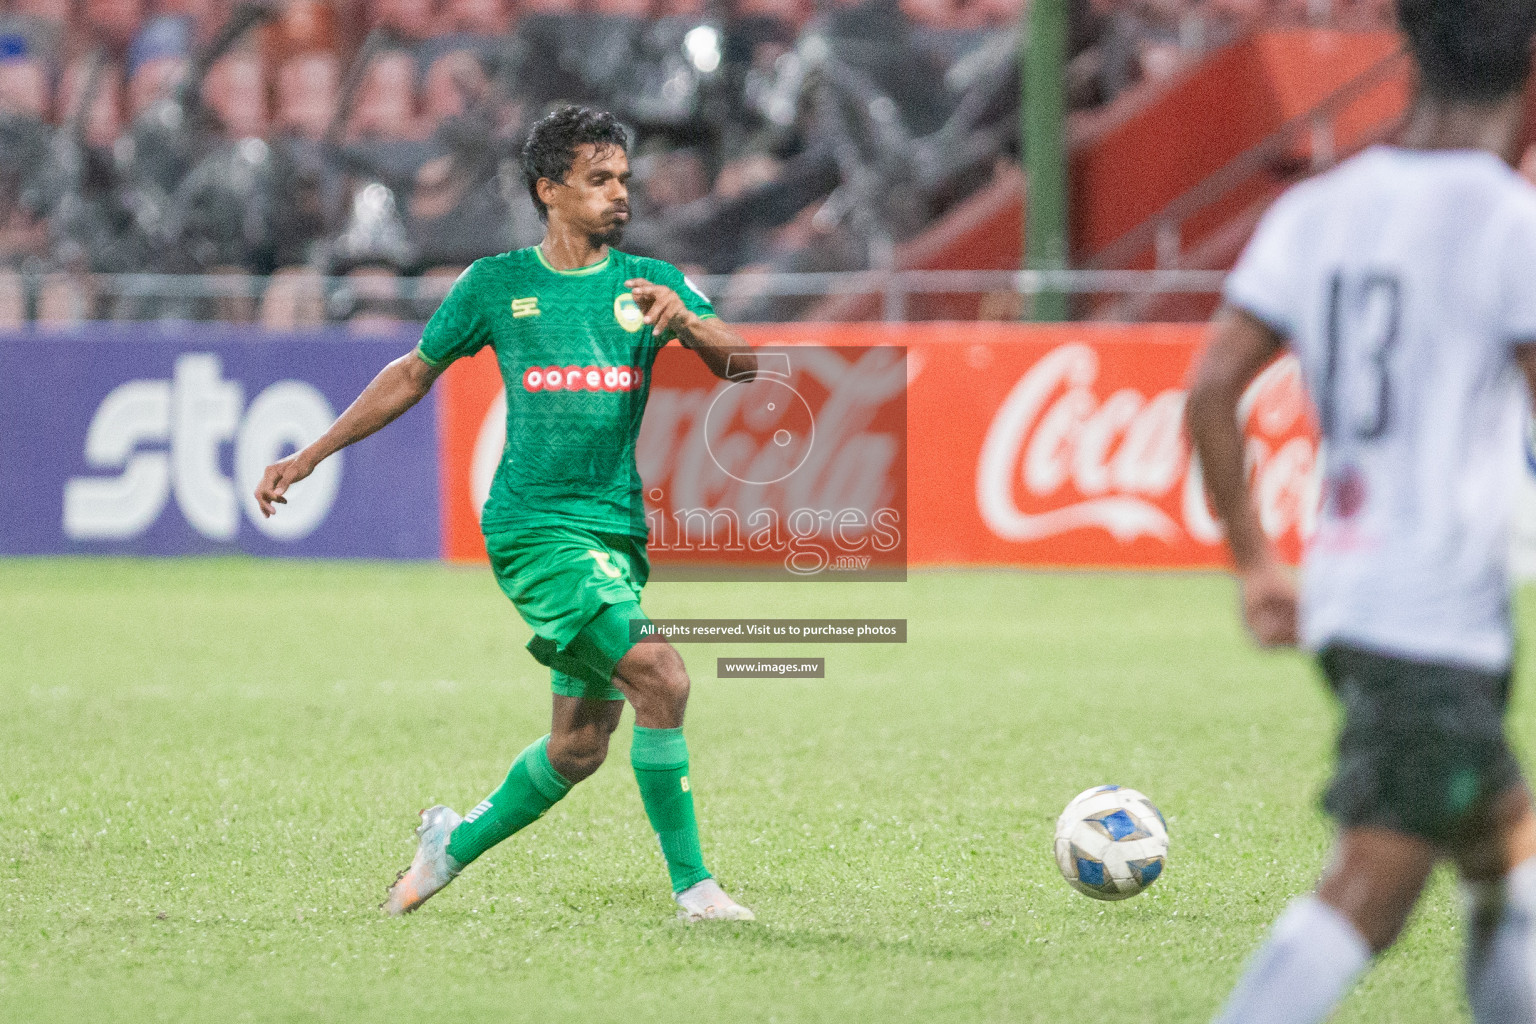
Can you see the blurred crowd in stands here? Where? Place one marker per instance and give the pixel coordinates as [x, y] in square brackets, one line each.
[378, 139]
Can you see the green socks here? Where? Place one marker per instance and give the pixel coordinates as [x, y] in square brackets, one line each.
[660, 759]
[531, 788]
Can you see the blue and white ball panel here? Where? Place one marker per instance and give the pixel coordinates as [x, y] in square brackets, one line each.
[1111, 843]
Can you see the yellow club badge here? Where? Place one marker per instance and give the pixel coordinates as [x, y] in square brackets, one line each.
[627, 313]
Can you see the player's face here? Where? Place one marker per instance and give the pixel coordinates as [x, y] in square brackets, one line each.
[595, 198]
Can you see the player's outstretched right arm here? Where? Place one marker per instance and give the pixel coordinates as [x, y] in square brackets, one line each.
[398, 386]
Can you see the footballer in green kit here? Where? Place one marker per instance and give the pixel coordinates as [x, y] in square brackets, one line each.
[575, 325]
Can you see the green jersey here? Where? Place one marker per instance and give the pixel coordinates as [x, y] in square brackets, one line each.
[575, 354]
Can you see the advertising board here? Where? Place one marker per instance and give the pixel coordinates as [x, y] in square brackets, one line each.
[938, 444]
[1064, 446]
[150, 439]
[1019, 445]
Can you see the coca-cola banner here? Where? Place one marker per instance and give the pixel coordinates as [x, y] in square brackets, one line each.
[1030, 446]
[1065, 446]
[150, 439]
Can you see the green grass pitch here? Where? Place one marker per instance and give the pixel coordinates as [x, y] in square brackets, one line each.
[209, 771]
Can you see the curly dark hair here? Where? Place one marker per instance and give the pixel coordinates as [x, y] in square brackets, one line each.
[551, 146]
[1470, 51]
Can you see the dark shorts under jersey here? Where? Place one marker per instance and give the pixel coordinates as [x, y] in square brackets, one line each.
[1423, 747]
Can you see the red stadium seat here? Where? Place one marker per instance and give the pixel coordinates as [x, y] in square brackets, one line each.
[294, 298]
[304, 27]
[377, 295]
[236, 90]
[115, 21]
[682, 8]
[154, 80]
[432, 286]
[476, 17]
[104, 119]
[13, 300]
[454, 81]
[412, 19]
[24, 87]
[64, 299]
[526, 7]
[623, 8]
[936, 13]
[386, 100]
[234, 309]
[57, 11]
[306, 94]
[794, 12]
[1242, 12]
[998, 13]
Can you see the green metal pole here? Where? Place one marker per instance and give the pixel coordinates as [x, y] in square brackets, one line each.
[1043, 113]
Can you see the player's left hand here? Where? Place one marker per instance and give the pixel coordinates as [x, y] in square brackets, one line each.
[1269, 604]
[277, 479]
[661, 305]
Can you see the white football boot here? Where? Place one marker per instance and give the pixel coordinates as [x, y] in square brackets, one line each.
[706, 901]
[431, 869]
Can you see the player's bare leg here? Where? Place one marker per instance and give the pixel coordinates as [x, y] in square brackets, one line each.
[1322, 943]
[1499, 875]
[653, 677]
[1375, 879]
[579, 734]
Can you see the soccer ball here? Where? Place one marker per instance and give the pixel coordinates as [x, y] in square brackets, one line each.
[1111, 843]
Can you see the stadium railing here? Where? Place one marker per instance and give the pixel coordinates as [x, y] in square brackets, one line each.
[339, 300]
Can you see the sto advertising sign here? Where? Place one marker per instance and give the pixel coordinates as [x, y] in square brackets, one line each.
[148, 439]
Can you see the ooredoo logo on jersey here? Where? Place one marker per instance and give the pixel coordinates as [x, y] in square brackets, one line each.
[582, 378]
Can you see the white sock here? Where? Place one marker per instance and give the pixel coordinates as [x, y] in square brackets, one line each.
[1501, 954]
[1306, 966]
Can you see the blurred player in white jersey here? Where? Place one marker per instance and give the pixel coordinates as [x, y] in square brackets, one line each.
[1405, 283]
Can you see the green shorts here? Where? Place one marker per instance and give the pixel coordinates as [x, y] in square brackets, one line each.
[1423, 750]
[577, 589]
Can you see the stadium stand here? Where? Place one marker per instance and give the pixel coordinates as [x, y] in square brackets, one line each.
[770, 136]
[236, 91]
[24, 87]
[65, 299]
[307, 87]
[13, 300]
[386, 105]
[103, 116]
[294, 298]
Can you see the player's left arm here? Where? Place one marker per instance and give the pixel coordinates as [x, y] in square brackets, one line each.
[725, 352]
[1239, 347]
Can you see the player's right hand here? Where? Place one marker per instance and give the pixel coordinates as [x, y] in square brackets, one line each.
[277, 479]
[1269, 604]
